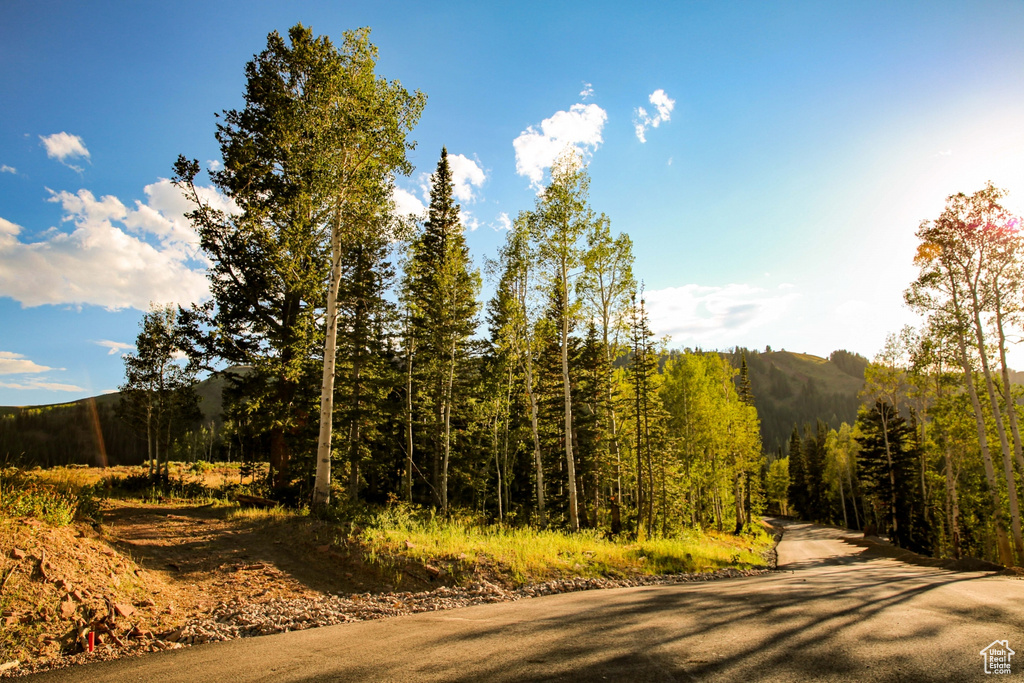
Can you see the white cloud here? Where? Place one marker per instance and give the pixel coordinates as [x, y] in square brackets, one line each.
[536, 150]
[8, 169]
[63, 146]
[466, 174]
[17, 364]
[39, 384]
[715, 317]
[115, 347]
[588, 90]
[503, 222]
[152, 258]
[468, 220]
[663, 106]
[407, 203]
[214, 164]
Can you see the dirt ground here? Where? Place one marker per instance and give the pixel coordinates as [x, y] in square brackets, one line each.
[150, 568]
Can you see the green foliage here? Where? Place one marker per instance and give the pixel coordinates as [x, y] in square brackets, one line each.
[158, 397]
[777, 485]
[57, 503]
[530, 555]
[888, 458]
[441, 289]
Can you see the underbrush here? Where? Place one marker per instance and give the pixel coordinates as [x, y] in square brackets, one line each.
[527, 555]
[55, 501]
[187, 483]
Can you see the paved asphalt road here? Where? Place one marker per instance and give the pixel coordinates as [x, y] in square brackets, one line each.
[832, 612]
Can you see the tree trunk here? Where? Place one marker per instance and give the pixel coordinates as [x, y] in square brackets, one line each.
[408, 419]
[537, 438]
[892, 471]
[574, 520]
[842, 497]
[853, 497]
[447, 430]
[952, 505]
[1002, 541]
[997, 414]
[322, 485]
[1011, 405]
[356, 431]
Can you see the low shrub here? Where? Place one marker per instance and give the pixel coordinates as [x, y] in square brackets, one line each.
[23, 494]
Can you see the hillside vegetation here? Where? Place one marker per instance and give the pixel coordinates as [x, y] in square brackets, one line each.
[799, 388]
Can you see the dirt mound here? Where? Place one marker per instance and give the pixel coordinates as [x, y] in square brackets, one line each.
[60, 583]
[149, 570]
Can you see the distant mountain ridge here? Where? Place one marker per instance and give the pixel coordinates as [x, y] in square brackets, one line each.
[789, 389]
[86, 431]
[799, 388]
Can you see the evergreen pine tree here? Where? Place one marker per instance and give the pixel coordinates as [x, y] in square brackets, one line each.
[890, 478]
[443, 288]
[797, 476]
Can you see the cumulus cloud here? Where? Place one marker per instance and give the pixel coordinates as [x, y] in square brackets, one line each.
[715, 317]
[466, 174]
[588, 90]
[17, 364]
[63, 146]
[538, 147]
[503, 222]
[663, 106]
[214, 164]
[406, 203]
[8, 169]
[115, 256]
[115, 347]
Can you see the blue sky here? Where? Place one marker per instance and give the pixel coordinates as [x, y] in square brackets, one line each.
[798, 146]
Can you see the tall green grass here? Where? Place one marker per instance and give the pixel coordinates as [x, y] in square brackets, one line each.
[534, 555]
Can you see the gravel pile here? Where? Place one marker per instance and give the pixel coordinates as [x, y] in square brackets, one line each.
[240, 619]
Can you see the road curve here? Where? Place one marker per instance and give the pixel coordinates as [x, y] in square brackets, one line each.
[832, 612]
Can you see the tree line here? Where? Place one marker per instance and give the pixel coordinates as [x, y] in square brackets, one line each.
[935, 457]
[365, 368]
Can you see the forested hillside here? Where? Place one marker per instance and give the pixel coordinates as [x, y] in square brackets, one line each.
[92, 432]
[797, 389]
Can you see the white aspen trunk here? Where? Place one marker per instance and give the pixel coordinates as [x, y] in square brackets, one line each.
[322, 486]
[892, 473]
[149, 440]
[1011, 406]
[497, 468]
[952, 506]
[997, 414]
[536, 438]
[853, 498]
[408, 421]
[1002, 541]
[447, 431]
[842, 497]
[570, 463]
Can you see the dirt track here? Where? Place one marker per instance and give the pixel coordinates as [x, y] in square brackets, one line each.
[834, 611]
